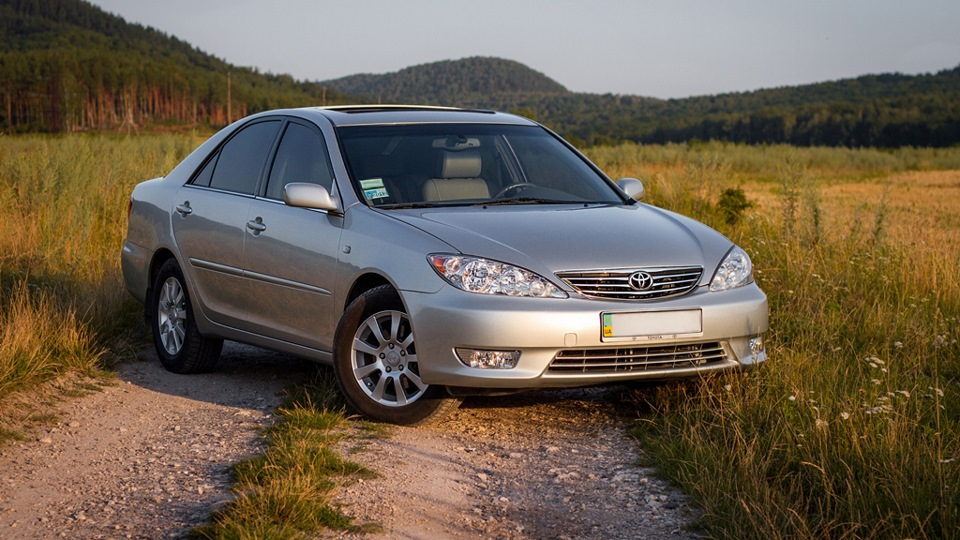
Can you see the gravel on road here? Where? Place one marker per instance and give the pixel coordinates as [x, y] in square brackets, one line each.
[149, 457]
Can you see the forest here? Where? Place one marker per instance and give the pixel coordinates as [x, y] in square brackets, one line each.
[68, 66]
[891, 110]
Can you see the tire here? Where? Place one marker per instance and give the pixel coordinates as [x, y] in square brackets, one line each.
[179, 344]
[376, 364]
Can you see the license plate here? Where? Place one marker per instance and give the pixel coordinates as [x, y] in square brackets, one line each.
[652, 325]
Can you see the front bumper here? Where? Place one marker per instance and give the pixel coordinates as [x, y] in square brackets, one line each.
[540, 328]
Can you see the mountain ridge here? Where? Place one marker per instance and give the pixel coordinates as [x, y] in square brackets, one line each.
[67, 65]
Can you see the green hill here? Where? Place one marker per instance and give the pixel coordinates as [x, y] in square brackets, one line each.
[450, 82]
[66, 65]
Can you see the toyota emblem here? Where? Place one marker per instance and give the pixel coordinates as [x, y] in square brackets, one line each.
[641, 281]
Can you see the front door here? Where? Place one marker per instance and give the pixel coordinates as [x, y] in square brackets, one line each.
[290, 254]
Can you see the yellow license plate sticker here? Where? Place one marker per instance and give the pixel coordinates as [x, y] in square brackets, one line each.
[607, 325]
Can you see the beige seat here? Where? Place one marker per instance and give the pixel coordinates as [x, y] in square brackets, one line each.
[459, 178]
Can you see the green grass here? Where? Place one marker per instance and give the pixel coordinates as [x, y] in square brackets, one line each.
[287, 491]
[852, 427]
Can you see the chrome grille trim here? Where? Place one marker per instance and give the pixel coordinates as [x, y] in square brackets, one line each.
[614, 284]
[638, 358]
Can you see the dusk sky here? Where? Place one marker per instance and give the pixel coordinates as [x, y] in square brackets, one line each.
[663, 49]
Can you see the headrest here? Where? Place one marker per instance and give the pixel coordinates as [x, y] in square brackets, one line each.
[462, 164]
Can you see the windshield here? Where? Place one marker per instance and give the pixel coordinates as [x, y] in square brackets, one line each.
[407, 166]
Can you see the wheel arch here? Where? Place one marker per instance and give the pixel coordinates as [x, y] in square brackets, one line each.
[364, 283]
[161, 256]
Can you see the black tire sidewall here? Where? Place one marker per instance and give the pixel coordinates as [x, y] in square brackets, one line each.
[383, 298]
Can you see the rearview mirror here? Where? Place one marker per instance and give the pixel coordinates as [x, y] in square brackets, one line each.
[305, 195]
[632, 187]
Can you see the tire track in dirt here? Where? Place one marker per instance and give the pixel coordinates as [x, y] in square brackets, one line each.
[149, 458]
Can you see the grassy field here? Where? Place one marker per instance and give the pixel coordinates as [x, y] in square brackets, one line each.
[63, 307]
[851, 429]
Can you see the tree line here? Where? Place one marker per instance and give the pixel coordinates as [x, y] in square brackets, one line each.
[66, 65]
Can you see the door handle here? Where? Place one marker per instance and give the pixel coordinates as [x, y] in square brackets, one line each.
[257, 226]
[184, 209]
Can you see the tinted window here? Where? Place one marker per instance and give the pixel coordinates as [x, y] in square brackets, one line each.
[203, 177]
[450, 164]
[240, 159]
[302, 157]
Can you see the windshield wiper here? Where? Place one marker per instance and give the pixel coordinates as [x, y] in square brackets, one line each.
[407, 206]
[525, 200]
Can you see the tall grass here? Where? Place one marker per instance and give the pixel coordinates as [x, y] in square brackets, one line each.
[852, 427]
[62, 302]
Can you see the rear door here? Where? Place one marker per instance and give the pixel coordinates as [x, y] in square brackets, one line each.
[291, 256]
[209, 221]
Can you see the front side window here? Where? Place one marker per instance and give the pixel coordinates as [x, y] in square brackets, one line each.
[468, 164]
[301, 157]
[241, 158]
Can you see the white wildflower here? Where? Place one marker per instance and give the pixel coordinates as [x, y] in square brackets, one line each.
[845, 415]
[898, 344]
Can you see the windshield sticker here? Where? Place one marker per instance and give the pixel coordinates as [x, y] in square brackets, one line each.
[373, 188]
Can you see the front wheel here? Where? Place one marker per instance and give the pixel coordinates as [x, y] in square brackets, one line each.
[179, 344]
[376, 363]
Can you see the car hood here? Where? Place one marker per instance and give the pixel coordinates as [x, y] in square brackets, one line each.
[550, 239]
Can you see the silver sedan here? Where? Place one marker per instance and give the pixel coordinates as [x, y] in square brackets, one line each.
[429, 254]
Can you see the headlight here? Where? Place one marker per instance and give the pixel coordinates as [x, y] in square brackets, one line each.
[483, 276]
[736, 270]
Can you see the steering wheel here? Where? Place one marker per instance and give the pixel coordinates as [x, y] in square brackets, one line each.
[519, 186]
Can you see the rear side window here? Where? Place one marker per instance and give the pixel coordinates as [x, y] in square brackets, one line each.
[205, 174]
[238, 166]
[302, 157]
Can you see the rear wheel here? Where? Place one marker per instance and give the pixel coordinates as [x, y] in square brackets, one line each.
[179, 344]
[376, 363]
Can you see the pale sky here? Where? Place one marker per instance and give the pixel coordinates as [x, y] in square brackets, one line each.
[665, 48]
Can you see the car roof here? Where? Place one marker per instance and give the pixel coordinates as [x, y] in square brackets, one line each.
[366, 115]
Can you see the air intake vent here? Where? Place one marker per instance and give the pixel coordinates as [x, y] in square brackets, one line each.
[627, 359]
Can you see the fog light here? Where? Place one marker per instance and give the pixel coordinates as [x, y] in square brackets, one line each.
[488, 359]
[757, 349]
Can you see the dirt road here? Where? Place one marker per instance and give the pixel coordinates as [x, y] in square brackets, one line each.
[148, 458]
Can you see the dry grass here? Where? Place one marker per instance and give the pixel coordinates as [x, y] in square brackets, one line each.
[852, 428]
[62, 303]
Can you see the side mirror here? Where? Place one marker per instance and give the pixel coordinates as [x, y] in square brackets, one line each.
[632, 187]
[309, 196]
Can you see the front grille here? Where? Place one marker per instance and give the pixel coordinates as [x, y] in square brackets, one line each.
[615, 284]
[644, 358]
